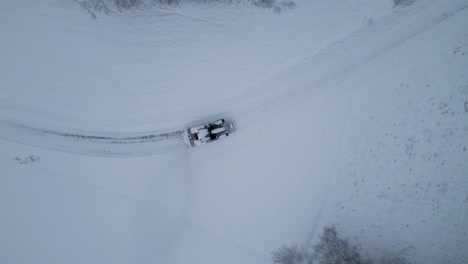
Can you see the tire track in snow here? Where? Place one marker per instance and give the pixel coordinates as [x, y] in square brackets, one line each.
[118, 140]
[342, 61]
[96, 144]
[316, 74]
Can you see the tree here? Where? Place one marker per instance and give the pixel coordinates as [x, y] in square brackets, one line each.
[332, 249]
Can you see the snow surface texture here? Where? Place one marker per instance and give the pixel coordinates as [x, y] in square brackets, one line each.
[377, 99]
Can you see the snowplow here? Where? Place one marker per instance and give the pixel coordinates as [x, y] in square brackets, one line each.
[201, 134]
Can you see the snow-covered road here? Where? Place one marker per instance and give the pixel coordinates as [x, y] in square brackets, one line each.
[324, 71]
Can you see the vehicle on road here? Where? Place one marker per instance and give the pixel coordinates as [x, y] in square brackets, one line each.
[209, 132]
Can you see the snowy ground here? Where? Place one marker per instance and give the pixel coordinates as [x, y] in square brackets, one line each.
[349, 113]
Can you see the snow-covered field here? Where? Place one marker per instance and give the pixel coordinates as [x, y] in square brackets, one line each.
[351, 113]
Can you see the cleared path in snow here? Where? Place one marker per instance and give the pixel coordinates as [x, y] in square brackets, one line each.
[357, 53]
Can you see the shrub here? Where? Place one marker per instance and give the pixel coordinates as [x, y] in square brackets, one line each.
[393, 258]
[290, 255]
[26, 160]
[96, 6]
[126, 4]
[403, 2]
[264, 3]
[332, 249]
